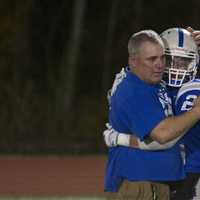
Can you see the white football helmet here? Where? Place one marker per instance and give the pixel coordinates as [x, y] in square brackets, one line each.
[181, 56]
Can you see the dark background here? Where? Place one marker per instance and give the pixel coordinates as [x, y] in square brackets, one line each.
[59, 58]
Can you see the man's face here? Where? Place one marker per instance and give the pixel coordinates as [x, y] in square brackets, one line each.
[149, 63]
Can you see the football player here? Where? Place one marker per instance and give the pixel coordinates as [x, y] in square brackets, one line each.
[182, 59]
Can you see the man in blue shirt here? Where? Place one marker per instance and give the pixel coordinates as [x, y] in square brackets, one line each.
[140, 105]
[186, 58]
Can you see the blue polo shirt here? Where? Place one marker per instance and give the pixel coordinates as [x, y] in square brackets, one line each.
[137, 107]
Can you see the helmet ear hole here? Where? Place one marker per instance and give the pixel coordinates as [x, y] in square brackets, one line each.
[181, 56]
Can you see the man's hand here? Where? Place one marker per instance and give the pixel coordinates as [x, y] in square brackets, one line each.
[134, 141]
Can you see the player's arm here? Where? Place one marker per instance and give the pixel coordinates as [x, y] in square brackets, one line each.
[113, 138]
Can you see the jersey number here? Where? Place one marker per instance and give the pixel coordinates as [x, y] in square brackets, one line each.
[187, 105]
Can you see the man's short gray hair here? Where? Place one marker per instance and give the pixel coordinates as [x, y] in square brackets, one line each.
[138, 38]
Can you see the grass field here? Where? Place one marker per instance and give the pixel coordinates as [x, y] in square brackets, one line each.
[51, 198]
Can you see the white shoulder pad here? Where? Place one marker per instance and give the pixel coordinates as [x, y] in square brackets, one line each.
[118, 79]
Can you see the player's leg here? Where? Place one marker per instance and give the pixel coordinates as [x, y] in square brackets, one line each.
[189, 188]
[174, 187]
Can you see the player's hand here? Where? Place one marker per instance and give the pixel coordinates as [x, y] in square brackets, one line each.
[196, 35]
[113, 138]
[110, 136]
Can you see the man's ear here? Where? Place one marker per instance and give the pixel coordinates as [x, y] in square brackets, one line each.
[131, 61]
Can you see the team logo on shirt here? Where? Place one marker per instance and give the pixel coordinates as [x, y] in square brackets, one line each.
[165, 101]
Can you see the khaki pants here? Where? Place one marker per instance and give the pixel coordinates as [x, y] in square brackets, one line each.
[140, 190]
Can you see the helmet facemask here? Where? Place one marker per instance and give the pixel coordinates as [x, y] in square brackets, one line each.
[181, 57]
[179, 70]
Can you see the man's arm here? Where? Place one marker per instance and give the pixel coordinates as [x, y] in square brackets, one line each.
[175, 126]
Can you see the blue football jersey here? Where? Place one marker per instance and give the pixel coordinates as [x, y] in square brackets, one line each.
[191, 141]
[137, 107]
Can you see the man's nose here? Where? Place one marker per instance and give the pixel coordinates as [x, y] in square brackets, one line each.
[160, 63]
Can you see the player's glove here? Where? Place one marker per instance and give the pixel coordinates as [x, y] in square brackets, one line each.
[110, 136]
[113, 138]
